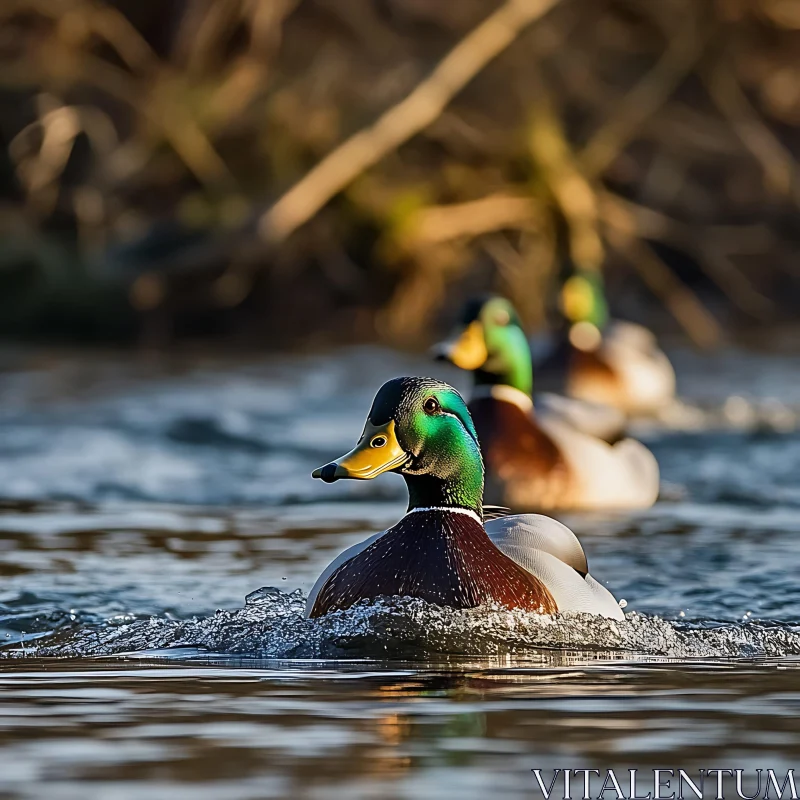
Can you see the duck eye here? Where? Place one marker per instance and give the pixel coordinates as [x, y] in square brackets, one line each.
[378, 441]
[431, 405]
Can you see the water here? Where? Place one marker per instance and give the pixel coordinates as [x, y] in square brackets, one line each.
[141, 501]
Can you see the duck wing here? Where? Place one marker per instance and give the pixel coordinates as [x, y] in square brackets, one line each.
[494, 512]
[594, 419]
[623, 475]
[550, 550]
[526, 533]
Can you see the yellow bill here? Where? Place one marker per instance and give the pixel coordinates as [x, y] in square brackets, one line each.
[577, 299]
[467, 350]
[377, 451]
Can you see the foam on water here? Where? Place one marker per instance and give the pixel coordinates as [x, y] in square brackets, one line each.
[272, 625]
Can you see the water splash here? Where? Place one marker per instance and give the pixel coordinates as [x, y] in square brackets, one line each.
[272, 625]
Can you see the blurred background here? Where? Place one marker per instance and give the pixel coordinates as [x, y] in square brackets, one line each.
[267, 172]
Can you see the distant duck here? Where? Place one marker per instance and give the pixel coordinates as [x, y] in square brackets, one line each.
[442, 551]
[548, 457]
[609, 361]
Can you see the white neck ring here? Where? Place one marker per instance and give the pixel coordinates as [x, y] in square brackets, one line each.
[468, 512]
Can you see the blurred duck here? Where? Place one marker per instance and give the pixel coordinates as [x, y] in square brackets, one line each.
[613, 362]
[548, 458]
[442, 550]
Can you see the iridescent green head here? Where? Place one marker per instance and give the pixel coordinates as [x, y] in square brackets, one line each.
[491, 344]
[421, 428]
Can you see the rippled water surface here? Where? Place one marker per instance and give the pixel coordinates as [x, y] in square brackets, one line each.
[142, 501]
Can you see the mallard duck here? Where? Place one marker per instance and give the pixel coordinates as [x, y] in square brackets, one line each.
[539, 460]
[611, 361]
[442, 551]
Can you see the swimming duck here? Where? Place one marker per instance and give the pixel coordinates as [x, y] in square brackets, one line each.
[611, 361]
[540, 460]
[443, 551]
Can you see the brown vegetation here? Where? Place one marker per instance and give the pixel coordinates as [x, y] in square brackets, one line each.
[303, 166]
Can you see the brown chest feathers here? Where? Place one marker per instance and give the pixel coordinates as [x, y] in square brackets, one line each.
[441, 557]
[524, 468]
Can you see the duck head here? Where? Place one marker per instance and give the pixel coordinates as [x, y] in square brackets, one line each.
[490, 342]
[420, 428]
[583, 303]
